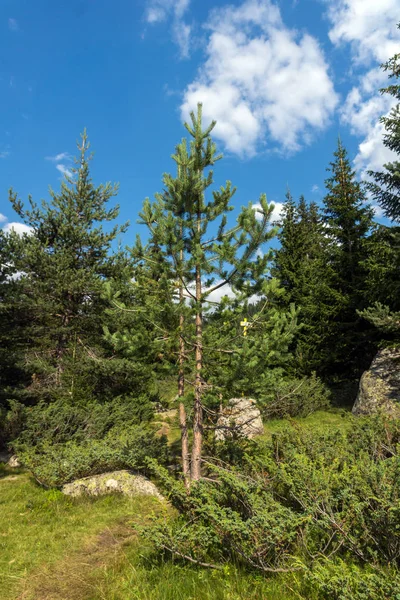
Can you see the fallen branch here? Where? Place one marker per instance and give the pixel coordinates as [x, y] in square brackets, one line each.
[192, 560]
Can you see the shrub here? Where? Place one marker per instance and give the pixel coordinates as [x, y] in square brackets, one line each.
[339, 580]
[296, 398]
[61, 442]
[55, 464]
[12, 421]
[60, 422]
[291, 501]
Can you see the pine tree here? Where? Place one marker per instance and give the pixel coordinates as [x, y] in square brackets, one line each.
[64, 266]
[249, 360]
[200, 261]
[385, 188]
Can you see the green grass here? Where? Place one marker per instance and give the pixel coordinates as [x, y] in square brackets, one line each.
[332, 420]
[57, 548]
[38, 527]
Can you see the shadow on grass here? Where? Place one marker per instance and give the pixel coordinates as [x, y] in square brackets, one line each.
[6, 471]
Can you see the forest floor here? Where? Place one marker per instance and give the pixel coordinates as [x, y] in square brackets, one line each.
[54, 547]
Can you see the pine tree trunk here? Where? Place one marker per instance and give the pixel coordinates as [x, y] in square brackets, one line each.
[198, 409]
[181, 392]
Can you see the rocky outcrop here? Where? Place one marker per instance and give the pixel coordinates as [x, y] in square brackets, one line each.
[122, 482]
[379, 389]
[241, 418]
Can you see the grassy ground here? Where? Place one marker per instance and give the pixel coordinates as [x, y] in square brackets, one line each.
[57, 548]
[322, 420]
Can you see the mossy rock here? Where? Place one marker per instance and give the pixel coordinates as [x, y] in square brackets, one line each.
[121, 482]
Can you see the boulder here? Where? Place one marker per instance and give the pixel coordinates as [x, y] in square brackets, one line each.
[123, 482]
[240, 418]
[14, 462]
[379, 389]
[10, 460]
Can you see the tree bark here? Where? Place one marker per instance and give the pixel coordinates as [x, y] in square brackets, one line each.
[181, 392]
[198, 408]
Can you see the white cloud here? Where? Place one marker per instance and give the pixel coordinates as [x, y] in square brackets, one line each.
[64, 170]
[372, 154]
[158, 11]
[264, 83]
[276, 212]
[19, 228]
[60, 160]
[225, 290]
[368, 25]
[370, 29]
[315, 189]
[13, 24]
[378, 211]
[59, 157]
[4, 154]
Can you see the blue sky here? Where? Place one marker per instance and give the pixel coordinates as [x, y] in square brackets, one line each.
[283, 79]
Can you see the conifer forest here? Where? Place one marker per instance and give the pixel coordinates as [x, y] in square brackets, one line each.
[241, 372]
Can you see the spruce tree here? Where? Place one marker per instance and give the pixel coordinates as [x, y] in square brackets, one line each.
[304, 270]
[348, 224]
[385, 188]
[202, 256]
[383, 261]
[65, 263]
[14, 321]
[348, 221]
[382, 266]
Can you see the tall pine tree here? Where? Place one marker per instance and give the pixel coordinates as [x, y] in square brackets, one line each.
[202, 256]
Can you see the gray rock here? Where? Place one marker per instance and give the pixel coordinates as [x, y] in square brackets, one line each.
[379, 389]
[123, 482]
[13, 462]
[240, 418]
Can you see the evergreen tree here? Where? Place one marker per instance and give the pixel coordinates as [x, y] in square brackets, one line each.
[383, 260]
[348, 225]
[382, 266]
[385, 188]
[249, 360]
[14, 320]
[201, 261]
[64, 265]
[348, 222]
[304, 270]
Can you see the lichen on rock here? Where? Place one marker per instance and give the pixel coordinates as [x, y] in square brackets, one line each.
[123, 482]
[379, 389]
[241, 418]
